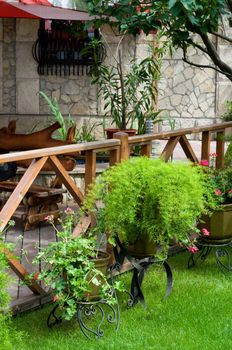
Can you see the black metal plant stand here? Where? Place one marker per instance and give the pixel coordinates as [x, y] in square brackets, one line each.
[140, 267]
[100, 311]
[221, 250]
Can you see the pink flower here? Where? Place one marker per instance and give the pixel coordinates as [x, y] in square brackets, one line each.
[69, 211]
[213, 155]
[204, 162]
[193, 249]
[230, 191]
[205, 232]
[218, 192]
[56, 297]
[49, 218]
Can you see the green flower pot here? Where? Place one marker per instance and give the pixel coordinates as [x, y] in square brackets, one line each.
[101, 264]
[143, 247]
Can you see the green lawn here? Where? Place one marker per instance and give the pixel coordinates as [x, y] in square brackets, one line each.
[197, 315]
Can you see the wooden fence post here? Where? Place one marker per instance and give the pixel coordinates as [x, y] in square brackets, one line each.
[220, 148]
[90, 168]
[205, 145]
[124, 145]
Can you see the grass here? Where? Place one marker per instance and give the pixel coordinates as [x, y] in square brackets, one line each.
[197, 315]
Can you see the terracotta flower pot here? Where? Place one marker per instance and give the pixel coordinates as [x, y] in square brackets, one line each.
[219, 224]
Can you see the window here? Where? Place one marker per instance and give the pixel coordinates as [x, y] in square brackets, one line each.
[62, 48]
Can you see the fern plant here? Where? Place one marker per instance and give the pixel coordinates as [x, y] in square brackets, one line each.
[152, 199]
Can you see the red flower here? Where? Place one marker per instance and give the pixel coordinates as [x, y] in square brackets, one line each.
[36, 276]
[205, 232]
[193, 249]
[213, 155]
[204, 162]
[218, 192]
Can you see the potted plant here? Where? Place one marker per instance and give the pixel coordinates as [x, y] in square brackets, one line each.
[217, 227]
[73, 267]
[129, 95]
[150, 200]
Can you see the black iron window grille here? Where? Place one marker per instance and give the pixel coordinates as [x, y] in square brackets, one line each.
[62, 48]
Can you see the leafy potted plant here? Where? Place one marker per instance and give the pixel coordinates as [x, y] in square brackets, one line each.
[129, 95]
[217, 227]
[150, 200]
[73, 267]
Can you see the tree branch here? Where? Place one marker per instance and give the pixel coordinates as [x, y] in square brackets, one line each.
[223, 37]
[229, 5]
[199, 47]
[225, 69]
[185, 59]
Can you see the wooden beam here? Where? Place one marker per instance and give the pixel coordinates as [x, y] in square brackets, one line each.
[66, 179]
[205, 145]
[22, 273]
[82, 226]
[90, 168]
[187, 148]
[220, 149]
[19, 192]
[169, 148]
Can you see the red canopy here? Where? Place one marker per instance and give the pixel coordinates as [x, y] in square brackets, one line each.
[40, 9]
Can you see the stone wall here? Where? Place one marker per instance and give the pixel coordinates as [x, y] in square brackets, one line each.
[195, 96]
[191, 96]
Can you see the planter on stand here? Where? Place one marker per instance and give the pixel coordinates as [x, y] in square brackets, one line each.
[219, 225]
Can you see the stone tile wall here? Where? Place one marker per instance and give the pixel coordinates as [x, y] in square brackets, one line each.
[191, 96]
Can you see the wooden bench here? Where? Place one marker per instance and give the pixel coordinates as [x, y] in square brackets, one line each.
[38, 203]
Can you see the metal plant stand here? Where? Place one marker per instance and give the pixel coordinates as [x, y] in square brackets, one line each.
[222, 254]
[140, 267]
[92, 315]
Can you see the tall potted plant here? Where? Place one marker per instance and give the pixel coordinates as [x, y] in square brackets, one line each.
[129, 95]
[151, 200]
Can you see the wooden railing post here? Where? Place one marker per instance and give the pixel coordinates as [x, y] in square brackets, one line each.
[90, 168]
[205, 145]
[220, 149]
[124, 146]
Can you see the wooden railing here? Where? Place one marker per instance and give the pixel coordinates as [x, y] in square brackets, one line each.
[118, 148]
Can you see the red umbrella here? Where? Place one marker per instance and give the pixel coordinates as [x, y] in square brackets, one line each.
[43, 9]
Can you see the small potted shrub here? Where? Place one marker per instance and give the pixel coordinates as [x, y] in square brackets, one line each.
[150, 200]
[73, 267]
[217, 227]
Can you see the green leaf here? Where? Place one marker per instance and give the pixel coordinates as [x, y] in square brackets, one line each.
[171, 3]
